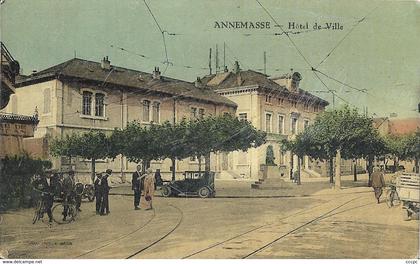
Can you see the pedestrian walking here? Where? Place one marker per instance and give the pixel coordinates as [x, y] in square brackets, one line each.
[68, 193]
[136, 185]
[158, 179]
[98, 193]
[77, 192]
[378, 182]
[105, 193]
[149, 188]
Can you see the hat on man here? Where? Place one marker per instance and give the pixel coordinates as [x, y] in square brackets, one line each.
[108, 171]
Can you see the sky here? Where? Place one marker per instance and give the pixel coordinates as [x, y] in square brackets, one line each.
[373, 59]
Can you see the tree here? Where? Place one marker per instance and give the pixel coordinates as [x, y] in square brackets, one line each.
[224, 133]
[412, 149]
[173, 140]
[338, 133]
[138, 143]
[91, 145]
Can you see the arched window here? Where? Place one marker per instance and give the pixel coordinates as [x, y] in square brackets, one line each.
[47, 101]
[99, 104]
[87, 103]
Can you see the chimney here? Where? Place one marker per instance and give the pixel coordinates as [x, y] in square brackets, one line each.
[236, 68]
[225, 69]
[156, 74]
[105, 64]
[198, 83]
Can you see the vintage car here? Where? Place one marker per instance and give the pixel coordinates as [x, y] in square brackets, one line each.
[194, 183]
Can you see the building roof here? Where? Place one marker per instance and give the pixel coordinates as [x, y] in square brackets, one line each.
[253, 78]
[18, 119]
[404, 126]
[92, 71]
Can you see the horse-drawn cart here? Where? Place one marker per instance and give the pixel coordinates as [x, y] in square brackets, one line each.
[408, 188]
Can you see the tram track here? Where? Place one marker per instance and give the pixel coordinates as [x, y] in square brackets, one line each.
[259, 249]
[161, 238]
[119, 238]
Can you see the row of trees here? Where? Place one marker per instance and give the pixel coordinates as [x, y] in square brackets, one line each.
[344, 133]
[177, 141]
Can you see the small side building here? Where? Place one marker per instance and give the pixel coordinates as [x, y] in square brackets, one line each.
[14, 128]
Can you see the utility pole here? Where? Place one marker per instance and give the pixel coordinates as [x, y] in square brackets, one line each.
[217, 59]
[210, 61]
[224, 57]
[265, 62]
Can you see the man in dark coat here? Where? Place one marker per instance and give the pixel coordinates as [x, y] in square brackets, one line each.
[98, 192]
[136, 186]
[44, 185]
[378, 182]
[105, 192]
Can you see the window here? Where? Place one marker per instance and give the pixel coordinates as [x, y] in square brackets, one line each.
[281, 101]
[243, 116]
[47, 101]
[282, 157]
[305, 124]
[281, 124]
[146, 111]
[193, 112]
[294, 104]
[268, 122]
[306, 106]
[316, 108]
[99, 104]
[201, 113]
[156, 112]
[87, 103]
[268, 99]
[294, 125]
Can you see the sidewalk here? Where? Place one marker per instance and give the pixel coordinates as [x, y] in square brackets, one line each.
[242, 189]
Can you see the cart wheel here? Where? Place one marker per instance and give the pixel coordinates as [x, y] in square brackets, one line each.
[166, 191]
[204, 192]
[406, 215]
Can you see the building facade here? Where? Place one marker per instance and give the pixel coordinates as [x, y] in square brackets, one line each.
[276, 105]
[14, 128]
[79, 95]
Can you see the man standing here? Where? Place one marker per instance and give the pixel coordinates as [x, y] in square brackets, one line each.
[98, 192]
[77, 193]
[136, 186]
[378, 182]
[105, 192]
[149, 188]
[43, 185]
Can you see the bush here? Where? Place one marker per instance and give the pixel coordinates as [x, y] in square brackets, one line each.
[15, 180]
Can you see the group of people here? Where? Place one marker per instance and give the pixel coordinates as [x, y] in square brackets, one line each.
[54, 184]
[144, 183]
[102, 192]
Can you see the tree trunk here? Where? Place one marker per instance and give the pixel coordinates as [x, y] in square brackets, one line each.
[298, 170]
[173, 169]
[394, 169]
[92, 175]
[331, 163]
[370, 169]
[355, 170]
[338, 170]
[207, 162]
[291, 165]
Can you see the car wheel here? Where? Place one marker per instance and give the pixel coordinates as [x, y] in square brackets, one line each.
[166, 191]
[204, 192]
